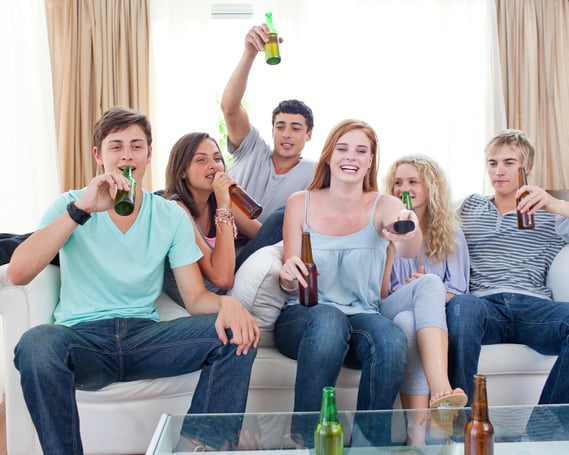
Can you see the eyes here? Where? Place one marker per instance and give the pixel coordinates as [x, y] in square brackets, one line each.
[344, 148]
[399, 182]
[295, 128]
[202, 160]
[508, 163]
[118, 147]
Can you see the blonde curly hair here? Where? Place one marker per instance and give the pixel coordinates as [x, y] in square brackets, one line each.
[441, 221]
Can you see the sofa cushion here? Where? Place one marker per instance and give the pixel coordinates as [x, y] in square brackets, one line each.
[257, 286]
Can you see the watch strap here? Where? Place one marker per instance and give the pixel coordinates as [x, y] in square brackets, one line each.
[76, 214]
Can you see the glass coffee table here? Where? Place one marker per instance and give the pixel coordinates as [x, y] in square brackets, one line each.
[523, 430]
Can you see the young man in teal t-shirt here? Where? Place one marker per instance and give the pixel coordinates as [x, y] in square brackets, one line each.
[106, 326]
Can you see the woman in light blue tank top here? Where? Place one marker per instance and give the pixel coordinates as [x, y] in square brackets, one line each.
[420, 287]
[346, 218]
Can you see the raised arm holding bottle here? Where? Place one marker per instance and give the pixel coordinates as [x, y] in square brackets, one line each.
[268, 172]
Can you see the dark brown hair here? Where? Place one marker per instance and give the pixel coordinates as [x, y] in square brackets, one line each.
[181, 156]
[117, 119]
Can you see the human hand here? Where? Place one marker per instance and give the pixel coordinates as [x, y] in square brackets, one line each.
[418, 274]
[292, 274]
[537, 198]
[221, 184]
[393, 234]
[100, 192]
[257, 37]
[234, 316]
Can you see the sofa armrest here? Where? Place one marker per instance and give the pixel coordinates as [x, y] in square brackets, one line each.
[557, 276]
[21, 308]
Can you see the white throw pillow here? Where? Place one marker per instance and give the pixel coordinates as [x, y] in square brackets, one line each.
[257, 285]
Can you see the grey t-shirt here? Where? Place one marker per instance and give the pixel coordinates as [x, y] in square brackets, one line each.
[253, 169]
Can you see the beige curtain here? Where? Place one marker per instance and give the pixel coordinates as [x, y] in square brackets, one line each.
[99, 56]
[534, 48]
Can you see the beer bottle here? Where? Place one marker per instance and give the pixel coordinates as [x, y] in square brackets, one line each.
[525, 220]
[124, 200]
[244, 202]
[403, 226]
[308, 295]
[272, 53]
[329, 434]
[406, 198]
[479, 432]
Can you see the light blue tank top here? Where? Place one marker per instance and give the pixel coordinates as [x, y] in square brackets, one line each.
[351, 267]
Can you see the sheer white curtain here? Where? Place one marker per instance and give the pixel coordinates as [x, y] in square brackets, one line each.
[28, 173]
[424, 73]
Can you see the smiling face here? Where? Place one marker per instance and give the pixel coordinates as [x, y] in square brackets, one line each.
[408, 178]
[502, 166]
[126, 147]
[206, 161]
[290, 134]
[352, 156]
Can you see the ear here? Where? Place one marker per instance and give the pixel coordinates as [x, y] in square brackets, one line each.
[98, 156]
[309, 136]
[149, 156]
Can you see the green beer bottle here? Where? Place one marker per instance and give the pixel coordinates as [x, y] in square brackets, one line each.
[272, 53]
[124, 200]
[406, 198]
[329, 435]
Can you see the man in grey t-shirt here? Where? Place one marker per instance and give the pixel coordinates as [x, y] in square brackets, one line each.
[270, 176]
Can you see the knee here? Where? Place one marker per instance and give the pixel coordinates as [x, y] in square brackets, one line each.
[35, 347]
[462, 312]
[328, 328]
[406, 322]
[432, 286]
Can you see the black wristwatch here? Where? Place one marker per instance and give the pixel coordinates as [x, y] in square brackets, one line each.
[76, 214]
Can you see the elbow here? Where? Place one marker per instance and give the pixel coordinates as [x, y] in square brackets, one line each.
[16, 276]
[224, 282]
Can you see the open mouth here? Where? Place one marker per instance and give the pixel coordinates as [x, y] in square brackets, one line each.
[350, 169]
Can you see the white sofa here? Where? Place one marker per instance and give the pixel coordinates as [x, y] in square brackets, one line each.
[121, 418]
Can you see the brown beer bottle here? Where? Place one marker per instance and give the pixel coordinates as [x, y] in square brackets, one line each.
[525, 220]
[479, 432]
[244, 202]
[308, 295]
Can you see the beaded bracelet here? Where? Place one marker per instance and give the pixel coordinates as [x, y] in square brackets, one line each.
[225, 216]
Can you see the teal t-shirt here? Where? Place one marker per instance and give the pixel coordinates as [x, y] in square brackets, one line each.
[109, 274]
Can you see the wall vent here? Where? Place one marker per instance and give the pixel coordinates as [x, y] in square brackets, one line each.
[231, 10]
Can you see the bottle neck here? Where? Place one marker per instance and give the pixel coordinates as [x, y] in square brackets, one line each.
[306, 249]
[479, 400]
[269, 21]
[522, 177]
[329, 411]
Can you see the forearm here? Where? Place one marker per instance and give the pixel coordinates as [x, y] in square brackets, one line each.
[237, 84]
[222, 259]
[205, 302]
[34, 254]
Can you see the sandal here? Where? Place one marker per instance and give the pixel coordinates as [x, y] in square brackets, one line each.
[455, 399]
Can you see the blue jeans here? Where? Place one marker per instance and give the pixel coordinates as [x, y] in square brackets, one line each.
[541, 324]
[55, 360]
[271, 232]
[322, 339]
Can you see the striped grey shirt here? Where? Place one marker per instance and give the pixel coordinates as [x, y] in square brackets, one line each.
[504, 258]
